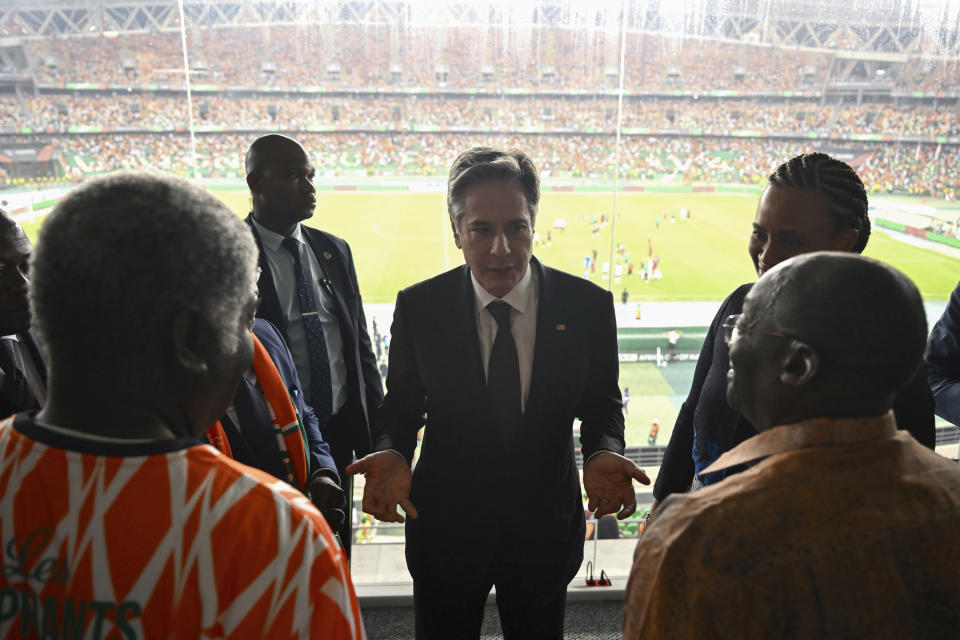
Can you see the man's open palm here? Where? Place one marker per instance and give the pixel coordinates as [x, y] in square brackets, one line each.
[387, 485]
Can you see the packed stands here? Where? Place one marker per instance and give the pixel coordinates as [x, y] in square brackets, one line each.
[898, 120]
[362, 56]
[58, 112]
[401, 100]
[684, 160]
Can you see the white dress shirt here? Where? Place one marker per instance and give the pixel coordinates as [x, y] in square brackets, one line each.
[523, 299]
[283, 271]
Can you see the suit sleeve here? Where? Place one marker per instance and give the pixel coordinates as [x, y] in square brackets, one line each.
[402, 412]
[942, 361]
[601, 406]
[369, 373]
[319, 454]
[676, 469]
[318, 451]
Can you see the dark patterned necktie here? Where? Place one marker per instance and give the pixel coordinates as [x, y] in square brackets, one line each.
[503, 374]
[321, 392]
[15, 389]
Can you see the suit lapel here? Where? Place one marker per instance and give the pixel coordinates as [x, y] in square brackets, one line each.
[269, 307]
[467, 336]
[331, 264]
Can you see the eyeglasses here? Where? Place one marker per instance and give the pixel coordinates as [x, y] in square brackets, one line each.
[731, 331]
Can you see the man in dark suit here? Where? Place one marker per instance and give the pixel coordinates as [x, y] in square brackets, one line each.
[22, 365]
[253, 440]
[308, 290]
[497, 358]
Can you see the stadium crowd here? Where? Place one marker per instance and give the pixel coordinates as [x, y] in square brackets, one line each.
[377, 55]
[361, 55]
[903, 120]
[686, 160]
[58, 112]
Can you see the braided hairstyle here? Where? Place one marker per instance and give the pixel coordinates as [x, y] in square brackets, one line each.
[839, 185]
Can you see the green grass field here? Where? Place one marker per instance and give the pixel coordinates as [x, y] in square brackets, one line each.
[401, 238]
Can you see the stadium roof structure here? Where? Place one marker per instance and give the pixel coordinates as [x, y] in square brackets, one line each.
[929, 27]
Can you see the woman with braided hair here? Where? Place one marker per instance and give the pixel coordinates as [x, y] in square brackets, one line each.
[812, 202]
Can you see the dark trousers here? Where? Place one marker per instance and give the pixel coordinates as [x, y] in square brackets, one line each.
[449, 604]
[336, 434]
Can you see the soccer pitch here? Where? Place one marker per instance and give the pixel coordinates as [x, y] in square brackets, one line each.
[401, 238]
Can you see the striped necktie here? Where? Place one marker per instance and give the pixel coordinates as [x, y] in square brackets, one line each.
[321, 392]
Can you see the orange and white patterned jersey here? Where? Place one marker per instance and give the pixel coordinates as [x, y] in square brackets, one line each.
[159, 539]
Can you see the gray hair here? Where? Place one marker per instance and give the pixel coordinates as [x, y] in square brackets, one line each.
[121, 256]
[486, 164]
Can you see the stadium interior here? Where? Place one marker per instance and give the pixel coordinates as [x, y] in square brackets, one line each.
[653, 124]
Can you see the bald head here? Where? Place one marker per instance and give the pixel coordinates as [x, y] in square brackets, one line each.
[825, 335]
[864, 316]
[265, 150]
[280, 178]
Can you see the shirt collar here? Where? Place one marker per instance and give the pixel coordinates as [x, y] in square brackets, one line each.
[12, 337]
[817, 432]
[89, 436]
[272, 240]
[520, 297]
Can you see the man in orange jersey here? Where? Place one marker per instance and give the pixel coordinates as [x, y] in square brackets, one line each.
[116, 521]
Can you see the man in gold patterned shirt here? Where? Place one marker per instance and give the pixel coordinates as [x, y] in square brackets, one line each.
[841, 526]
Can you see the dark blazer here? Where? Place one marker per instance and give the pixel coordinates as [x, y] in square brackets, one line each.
[479, 499]
[943, 360]
[706, 426]
[30, 342]
[350, 430]
[253, 441]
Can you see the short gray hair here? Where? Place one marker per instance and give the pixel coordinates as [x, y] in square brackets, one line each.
[121, 256]
[486, 164]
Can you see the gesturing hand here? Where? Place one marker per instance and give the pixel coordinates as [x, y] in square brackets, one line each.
[388, 484]
[608, 479]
